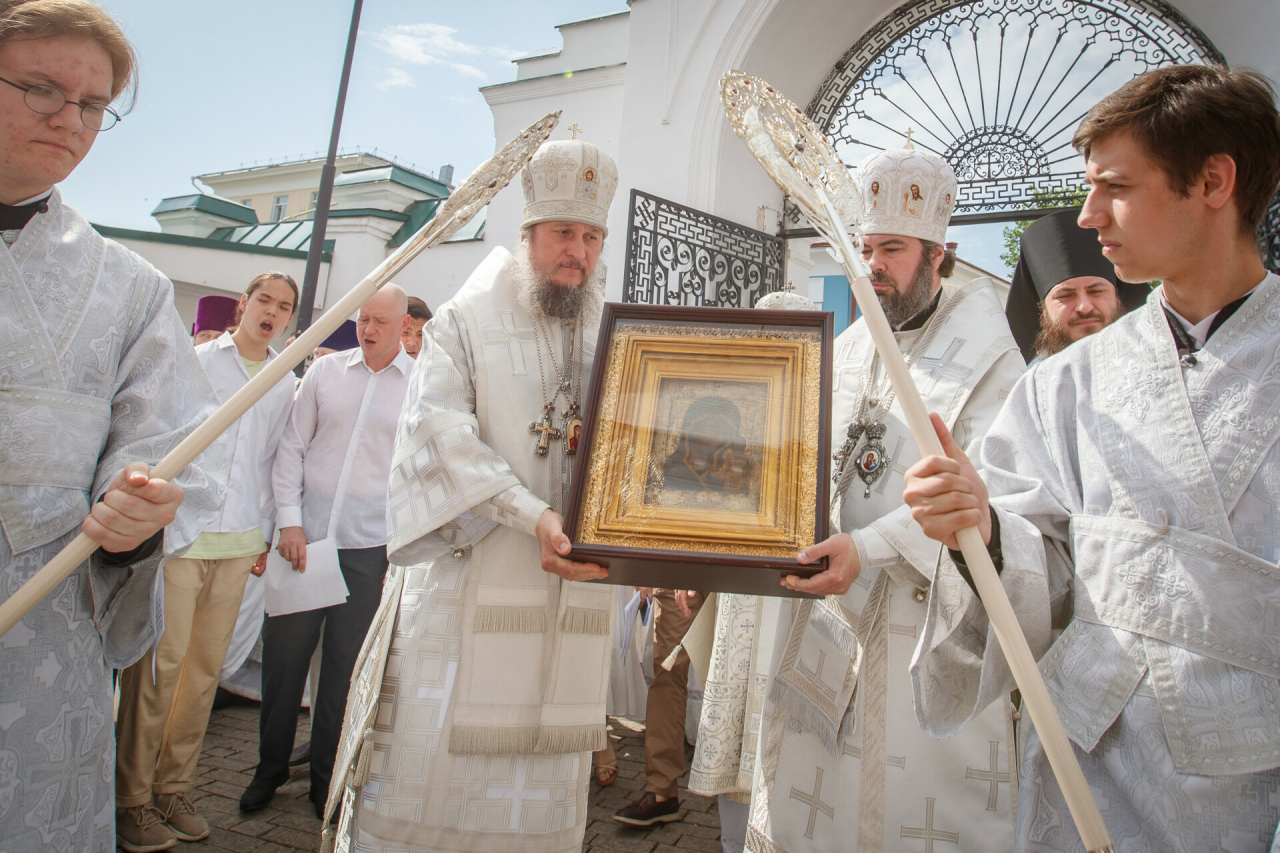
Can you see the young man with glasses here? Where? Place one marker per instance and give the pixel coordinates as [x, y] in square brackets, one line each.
[100, 382]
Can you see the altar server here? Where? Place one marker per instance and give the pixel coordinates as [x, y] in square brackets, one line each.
[99, 381]
[1133, 485]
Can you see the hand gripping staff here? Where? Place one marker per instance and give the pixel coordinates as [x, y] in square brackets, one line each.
[802, 162]
[456, 211]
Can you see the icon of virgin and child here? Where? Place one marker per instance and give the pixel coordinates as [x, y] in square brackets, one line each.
[711, 463]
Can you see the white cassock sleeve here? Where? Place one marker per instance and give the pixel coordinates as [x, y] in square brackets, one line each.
[896, 536]
[438, 441]
[959, 668]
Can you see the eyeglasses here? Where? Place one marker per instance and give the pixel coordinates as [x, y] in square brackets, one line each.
[47, 101]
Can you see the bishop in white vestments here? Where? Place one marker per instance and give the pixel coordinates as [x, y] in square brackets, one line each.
[481, 690]
[1134, 479]
[843, 764]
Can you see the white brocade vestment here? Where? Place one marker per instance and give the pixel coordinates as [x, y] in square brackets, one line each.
[1137, 501]
[843, 763]
[480, 692]
[96, 372]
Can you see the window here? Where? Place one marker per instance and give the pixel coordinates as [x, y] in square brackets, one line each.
[279, 207]
[315, 196]
[248, 202]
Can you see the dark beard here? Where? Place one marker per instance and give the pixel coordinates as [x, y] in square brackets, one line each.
[901, 307]
[1054, 337]
[543, 296]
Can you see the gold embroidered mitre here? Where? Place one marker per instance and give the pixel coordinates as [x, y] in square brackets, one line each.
[569, 180]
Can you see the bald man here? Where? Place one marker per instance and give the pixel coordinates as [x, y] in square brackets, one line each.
[330, 482]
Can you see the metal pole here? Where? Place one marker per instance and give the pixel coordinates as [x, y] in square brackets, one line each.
[311, 278]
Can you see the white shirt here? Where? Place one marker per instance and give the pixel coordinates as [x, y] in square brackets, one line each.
[252, 440]
[339, 442]
[1198, 332]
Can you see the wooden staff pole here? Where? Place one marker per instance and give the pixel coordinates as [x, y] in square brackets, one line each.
[82, 547]
[1093, 832]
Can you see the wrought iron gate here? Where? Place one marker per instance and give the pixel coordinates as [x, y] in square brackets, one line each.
[997, 87]
[1269, 236]
[677, 255]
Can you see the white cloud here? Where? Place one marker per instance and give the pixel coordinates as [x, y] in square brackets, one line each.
[397, 78]
[434, 44]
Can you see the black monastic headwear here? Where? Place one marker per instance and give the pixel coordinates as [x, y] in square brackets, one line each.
[1053, 249]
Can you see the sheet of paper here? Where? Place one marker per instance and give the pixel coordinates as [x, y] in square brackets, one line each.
[629, 622]
[321, 585]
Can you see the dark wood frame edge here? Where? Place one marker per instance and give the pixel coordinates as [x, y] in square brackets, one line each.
[761, 573]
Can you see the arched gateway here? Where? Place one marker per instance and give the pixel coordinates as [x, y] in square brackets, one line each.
[997, 87]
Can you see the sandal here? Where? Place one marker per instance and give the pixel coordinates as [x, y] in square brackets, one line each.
[607, 774]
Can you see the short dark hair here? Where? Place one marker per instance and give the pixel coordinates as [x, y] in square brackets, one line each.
[1184, 114]
[418, 309]
[948, 265]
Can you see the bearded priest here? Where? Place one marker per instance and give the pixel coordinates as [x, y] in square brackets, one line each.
[481, 693]
[843, 764]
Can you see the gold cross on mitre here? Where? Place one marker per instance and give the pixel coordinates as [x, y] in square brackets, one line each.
[910, 130]
[574, 129]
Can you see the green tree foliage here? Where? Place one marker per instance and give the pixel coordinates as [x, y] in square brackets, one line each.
[1070, 197]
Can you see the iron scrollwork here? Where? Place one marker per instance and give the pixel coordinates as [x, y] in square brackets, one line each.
[997, 87]
[677, 255]
[1269, 236]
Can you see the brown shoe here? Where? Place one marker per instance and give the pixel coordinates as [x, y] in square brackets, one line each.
[647, 811]
[142, 829]
[182, 817]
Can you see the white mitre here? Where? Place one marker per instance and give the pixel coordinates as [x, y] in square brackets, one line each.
[906, 192]
[786, 300]
[569, 180]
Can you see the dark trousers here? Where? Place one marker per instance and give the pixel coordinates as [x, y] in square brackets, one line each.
[289, 641]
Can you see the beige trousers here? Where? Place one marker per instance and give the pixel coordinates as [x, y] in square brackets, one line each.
[665, 707]
[161, 723]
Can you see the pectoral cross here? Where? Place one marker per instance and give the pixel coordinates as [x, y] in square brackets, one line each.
[574, 129]
[544, 431]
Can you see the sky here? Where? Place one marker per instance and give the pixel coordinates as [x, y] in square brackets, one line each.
[236, 83]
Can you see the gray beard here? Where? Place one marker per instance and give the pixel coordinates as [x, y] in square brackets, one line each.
[901, 307]
[547, 299]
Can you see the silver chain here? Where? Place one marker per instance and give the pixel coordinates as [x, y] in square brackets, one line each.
[562, 379]
[874, 396]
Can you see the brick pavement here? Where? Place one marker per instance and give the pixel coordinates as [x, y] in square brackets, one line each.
[288, 824]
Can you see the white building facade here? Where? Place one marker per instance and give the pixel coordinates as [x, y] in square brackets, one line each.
[643, 84]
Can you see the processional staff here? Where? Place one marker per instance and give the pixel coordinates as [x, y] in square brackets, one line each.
[457, 210]
[805, 166]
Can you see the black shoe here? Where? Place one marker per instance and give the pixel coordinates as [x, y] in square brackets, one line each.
[261, 790]
[319, 804]
[301, 755]
[647, 811]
